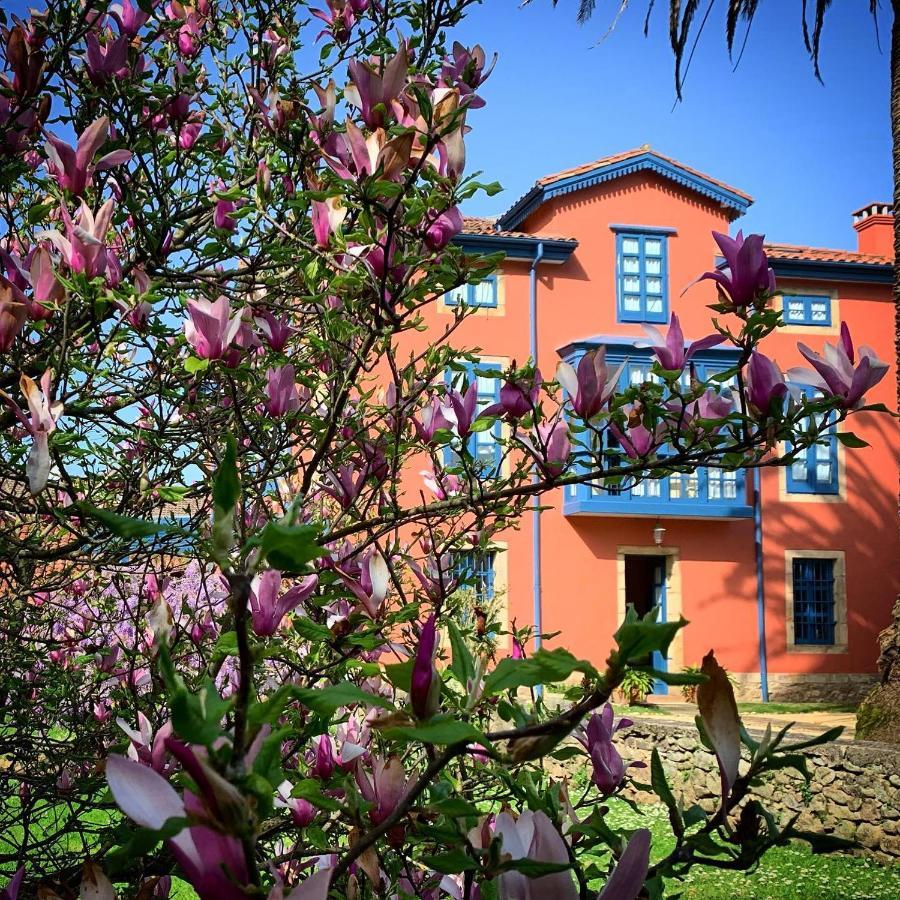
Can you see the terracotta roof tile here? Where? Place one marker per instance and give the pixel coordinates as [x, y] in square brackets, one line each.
[627, 154]
[824, 254]
[486, 226]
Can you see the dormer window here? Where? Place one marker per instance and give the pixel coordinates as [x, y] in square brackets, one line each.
[642, 276]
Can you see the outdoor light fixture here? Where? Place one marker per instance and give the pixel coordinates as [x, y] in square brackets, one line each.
[659, 532]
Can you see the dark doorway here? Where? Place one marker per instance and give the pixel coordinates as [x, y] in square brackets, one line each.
[645, 588]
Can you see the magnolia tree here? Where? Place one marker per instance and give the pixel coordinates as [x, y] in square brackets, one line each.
[236, 481]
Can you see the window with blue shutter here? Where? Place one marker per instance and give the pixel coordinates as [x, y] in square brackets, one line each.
[815, 469]
[475, 571]
[806, 309]
[641, 277]
[483, 294]
[484, 446]
[813, 581]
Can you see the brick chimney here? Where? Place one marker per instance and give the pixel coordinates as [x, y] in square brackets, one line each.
[874, 224]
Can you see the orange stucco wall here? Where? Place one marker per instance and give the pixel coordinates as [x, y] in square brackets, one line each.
[715, 557]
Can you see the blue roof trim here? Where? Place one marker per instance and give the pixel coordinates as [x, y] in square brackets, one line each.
[644, 229]
[662, 509]
[817, 270]
[525, 248]
[649, 161]
[618, 346]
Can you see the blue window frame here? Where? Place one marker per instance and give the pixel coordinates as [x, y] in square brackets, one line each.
[806, 309]
[642, 277]
[475, 571]
[483, 294]
[813, 580]
[815, 469]
[484, 446]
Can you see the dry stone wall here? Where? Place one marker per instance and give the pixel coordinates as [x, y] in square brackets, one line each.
[854, 792]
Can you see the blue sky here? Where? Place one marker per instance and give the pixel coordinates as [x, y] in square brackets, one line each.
[808, 154]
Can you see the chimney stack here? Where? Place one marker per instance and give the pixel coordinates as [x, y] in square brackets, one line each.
[874, 224]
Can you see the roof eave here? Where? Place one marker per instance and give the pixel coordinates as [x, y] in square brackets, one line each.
[516, 247]
[824, 270]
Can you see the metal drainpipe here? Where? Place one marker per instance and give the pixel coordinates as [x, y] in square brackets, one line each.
[535, 501]
[760, 588]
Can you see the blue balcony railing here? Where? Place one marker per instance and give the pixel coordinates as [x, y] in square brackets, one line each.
[705, 493]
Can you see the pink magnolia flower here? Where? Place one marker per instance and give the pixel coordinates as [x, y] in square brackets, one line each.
[267, 609]
[302, 811]
[464, 69]
[765, 384]
[747, 277]
[371, 586]
[11, 891]
[211, 328]
[129, 18]
[84, 248]
[444, 228]
[627, 879]
[597, 738]
[212, 861]
[73, 167]
[357, 156]
[637, 440]
[108, 61]
[147, 747]
[222, 210]
[275, 331]
[837, 374]
[433, 418]
[441, 484]
[327, 217]
[44, 284]
[40, 425]
[340, 17]
[385, 786]
[463, 409]
[373, 85]
[425, 685]
[346, 484]
[517, 399]
[550, 446]
[670, 350]
[590, 385]
[436, 575]
[13, 312]
[533, 836]
[281, 391]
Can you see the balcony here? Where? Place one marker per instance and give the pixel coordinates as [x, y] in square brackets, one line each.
[704, 494]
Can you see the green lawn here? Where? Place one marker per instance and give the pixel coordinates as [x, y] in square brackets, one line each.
[789, 708]
[786, 873]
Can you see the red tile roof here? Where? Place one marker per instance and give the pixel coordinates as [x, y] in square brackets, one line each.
[627, 154]
[823, 254]
[483, 225]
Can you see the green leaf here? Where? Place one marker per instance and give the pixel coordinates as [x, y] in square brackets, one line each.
[443, 730]
[849, 439]
[140, 843]
[482, 424]
[38, 212]
[531, 868]
[268, 760]
[172, 493]
[451, 863]
[192, 365]
[673, 678]
[226, 483]
[325, 701]
[462, 666]
[124, 526]
[310, 789]
[825, 738]
[197, 718]
[544, 667]
[312, 631]
[638, 638]
[455, 808]
[400, 674]
[226, 645]
[694, 816]
[290, 547]
[661, 788]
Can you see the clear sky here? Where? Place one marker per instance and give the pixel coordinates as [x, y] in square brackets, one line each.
[809, 154]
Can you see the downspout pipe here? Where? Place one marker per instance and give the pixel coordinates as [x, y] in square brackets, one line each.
[535, 501]
[760, 588]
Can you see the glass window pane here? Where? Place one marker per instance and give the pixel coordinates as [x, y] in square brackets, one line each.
[730, 485]
[487, 385]
[823, 451]
[631, 245]
[654, 487]
[457, 295]
[798, 470]
[674, 488]
[652, 246]
[632, 303]
[654, 285]
[819, 311]
[654, 305]
[653, 266]
[485, 293]
[823, 472]
[631, 283]
[631, 264]
[795, 310]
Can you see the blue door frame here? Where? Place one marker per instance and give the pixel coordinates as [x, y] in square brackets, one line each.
[660, 662]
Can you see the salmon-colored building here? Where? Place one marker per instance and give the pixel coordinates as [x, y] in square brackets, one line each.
[790, 582]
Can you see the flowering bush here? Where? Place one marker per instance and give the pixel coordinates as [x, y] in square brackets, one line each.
[230, 597]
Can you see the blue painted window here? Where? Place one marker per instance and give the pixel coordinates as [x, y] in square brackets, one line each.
[484, 446]
[815, 469]
[813, 601]
[641, 277]
[483, 294]
[807, 309]
[475, 571]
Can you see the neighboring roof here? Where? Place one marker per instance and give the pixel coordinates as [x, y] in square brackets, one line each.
[481, 235]
[825, 264]
[734, 201]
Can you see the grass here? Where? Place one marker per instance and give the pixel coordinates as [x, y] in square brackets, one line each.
[791, 708]
[785, 873]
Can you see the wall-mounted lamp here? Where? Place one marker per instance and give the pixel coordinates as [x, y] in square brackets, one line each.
[659, 533]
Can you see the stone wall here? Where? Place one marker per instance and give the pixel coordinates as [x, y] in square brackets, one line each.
[854, 792]
[812, 687]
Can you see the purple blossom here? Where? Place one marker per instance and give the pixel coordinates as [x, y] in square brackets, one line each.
[765, 385]
[747, 277]
[425, 689]
[73, 167]
[670, 350]
[281, 391]
[211, 328]
[267, 609]
[590, 385]
[444, 228]
[608, 767]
